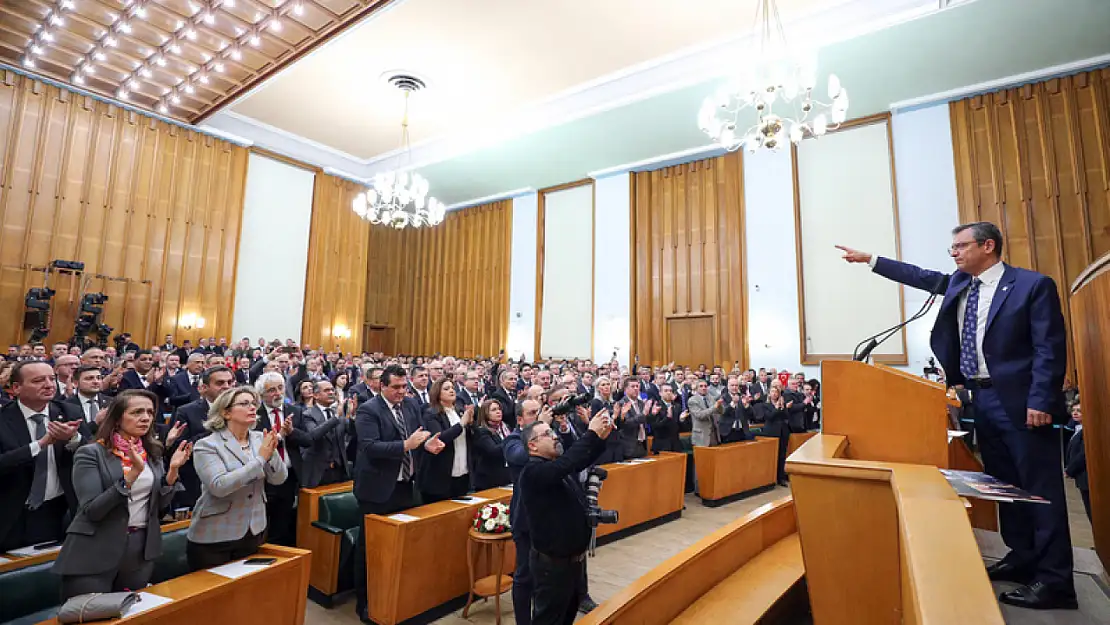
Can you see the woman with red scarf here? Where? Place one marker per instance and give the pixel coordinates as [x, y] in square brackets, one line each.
[122, 490]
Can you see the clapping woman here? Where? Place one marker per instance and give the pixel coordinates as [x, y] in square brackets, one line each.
[122, 490]
[488, 459]
[234, 464]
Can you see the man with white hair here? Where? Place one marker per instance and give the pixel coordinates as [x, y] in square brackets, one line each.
[274, 414]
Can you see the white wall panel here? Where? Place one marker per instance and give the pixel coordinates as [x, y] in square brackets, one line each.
[846, 196]
[522, 286]
[273, 250]
[567, 311]
[612, 297]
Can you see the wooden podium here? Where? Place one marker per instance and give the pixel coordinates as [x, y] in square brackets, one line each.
[1090, 329]
[884, 537]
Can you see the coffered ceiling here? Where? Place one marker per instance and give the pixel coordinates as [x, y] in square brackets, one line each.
[179, 58]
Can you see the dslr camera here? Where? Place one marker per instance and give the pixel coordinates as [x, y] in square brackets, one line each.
[931, 368]
[570, 403]
[594, 514]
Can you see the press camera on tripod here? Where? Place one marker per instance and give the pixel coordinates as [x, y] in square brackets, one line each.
[594, 514]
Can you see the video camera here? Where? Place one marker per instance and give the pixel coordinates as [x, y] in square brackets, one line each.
[570, 403]
[931, 368]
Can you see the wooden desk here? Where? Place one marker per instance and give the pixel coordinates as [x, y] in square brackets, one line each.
[885, 542]
[275, 595]
[414, 566]
[324, 546]
[643, 491]
[20, 562]
[727, 470]
[798, 439]
[694, 574]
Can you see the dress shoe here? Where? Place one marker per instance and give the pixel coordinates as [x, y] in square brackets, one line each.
[1039, 596]
[363, 614]
[587, 605]
[1003, 571]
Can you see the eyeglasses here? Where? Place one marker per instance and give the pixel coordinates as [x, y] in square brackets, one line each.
[245, 404]
[962, 245]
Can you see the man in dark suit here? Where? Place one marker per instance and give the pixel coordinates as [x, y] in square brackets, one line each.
[146, 376]
[191, 417]
[184, 351]
[168, 346]
[666, 421]
[470, 393]
[797, 410]
[735, 420]
[370, 386]
[184, 387]
[1000, 333]
[505, 395]
[1075, 460]
[274, 414]
[389, 433]
[419, 387]
[88, 398]
[324, 426]
[37, 440]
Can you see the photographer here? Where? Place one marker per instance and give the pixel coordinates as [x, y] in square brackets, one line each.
[555, 506]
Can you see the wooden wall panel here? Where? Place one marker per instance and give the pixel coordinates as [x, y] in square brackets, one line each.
[1035, 160]
[149, 203]
[687, 256]
[335, 291]
[444, 289]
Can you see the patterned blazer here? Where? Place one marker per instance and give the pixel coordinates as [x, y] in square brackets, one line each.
[232, 482]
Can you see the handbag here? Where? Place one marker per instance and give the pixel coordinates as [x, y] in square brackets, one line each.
[96, 606]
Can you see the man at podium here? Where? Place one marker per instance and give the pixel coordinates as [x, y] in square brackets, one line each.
[1000, 333]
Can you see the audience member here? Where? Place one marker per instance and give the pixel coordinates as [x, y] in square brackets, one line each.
[446, 474]
[488, 456]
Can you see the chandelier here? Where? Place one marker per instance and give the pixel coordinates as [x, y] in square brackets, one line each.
[399, 198]
[779, 77]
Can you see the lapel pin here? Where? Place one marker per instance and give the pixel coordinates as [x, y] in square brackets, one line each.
[1005, 288]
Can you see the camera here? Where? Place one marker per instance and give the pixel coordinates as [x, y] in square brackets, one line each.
[594, 514]
[570, 403]
[931, 368]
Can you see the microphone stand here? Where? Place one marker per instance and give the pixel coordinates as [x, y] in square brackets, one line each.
[875, 340]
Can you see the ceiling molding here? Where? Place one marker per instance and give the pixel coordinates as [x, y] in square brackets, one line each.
[496, 197]
[1002, 83]
[663, 160]
[634, 84]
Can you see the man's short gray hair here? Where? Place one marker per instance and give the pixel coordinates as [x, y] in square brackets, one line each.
[266, 379]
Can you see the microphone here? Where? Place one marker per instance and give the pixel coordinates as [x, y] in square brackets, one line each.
[875, 340]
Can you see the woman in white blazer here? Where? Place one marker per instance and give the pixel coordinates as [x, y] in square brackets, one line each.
[234, 464]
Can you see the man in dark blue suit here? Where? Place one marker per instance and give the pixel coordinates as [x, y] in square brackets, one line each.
[389, 436]
[1000, 333]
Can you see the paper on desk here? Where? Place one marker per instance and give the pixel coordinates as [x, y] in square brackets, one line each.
[146, 602]
[404, 518]
[235, 570]
[641, 460]
[508, 487]
[4, 560]
[25, 552]
[471, 500]
[956, 434]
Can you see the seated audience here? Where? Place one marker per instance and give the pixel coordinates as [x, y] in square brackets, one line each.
[122, 491]
[445, 474]
[234, 463]
[488, 462]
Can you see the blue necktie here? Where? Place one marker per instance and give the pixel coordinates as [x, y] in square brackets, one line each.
[969, 353]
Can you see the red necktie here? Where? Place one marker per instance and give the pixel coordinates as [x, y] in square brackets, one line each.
[277, 428]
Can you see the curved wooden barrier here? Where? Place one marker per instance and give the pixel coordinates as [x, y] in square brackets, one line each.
[733, 575]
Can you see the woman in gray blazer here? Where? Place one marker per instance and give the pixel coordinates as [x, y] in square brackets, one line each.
[234, 464]
[122, 491]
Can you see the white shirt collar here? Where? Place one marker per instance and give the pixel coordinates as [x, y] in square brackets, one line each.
[28, 413]
[992, 276]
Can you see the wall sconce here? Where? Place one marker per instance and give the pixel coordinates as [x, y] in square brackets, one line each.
[341, 332]
[191, 321]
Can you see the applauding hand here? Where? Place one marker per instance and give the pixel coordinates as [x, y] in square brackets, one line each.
[269, 444]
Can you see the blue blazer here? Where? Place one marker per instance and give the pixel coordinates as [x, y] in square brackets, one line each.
[380, 449]
[1025, 344]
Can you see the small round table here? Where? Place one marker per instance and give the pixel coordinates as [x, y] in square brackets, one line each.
[490, 585]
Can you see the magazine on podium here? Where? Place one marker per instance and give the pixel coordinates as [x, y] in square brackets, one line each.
[983, 486]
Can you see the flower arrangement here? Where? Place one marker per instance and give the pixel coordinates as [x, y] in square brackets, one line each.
[492, 518]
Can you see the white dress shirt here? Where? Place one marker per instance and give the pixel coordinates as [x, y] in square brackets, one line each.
[990, 279]
[53, 484]
[277, 417]
[392, 414]
[85, 401]
[138, 502]
[458, 466]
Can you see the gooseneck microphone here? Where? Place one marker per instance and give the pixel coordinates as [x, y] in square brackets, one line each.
[878, 339]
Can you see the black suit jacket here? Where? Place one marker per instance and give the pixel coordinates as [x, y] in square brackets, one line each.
[733, 425]
[665, 427]
[488, 464]
[508, 407]
[380, 449]
[17, 466]
[435, 469]
[193, 415]
[102, 400]
[292, 446]
[322, 441]
[1075, 461]
[463, 398]
[180, 391]
[614, 446]
[361, 391]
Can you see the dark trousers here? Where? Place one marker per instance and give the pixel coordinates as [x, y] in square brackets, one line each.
[1029, 458]
[401, 499]
[207, 555]
[1086, 495]
[133, 574]
[781, 430]
[333, 475]
[281, 515]
[44, 524]
[522, 579]
[557, 589]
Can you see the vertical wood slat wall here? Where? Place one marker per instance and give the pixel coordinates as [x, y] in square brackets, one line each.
[1035, 160]
[444, 289]
[688, 255]
[129, 196]
[335, 289]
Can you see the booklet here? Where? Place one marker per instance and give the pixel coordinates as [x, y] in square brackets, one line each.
[983, 486]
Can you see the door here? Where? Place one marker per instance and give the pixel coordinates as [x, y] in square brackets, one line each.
[691, 340]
